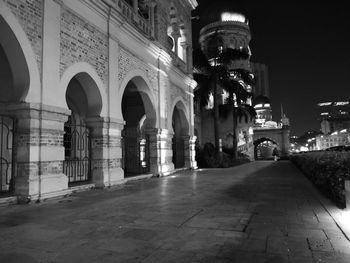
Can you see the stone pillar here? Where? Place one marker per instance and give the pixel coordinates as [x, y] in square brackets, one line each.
[190, 151]
[184, 53]
[285, 140]
[176, 35]
[106, 151]
[39, 150]
[160, 151]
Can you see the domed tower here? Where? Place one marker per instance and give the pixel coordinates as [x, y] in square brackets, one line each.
[231, 32]
[263, 110]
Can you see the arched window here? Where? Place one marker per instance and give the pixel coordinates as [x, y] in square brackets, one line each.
[182, 42]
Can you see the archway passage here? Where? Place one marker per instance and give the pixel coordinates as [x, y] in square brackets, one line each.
[84, 100]
[14, 73]
[138, 114]
[263, 149]
[180, 128]
[14, 85]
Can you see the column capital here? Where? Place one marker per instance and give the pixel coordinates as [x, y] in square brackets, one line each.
[35, 111]
[159, 132]
[104, 122]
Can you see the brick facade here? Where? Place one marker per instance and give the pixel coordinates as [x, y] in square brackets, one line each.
[82, 42]
[29, 15]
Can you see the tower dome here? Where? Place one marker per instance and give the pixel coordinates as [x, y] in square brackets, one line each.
[263, 110]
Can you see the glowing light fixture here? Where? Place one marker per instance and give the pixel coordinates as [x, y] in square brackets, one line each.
[324, 104]
[233, 17]
[341, 103]
[251, 131]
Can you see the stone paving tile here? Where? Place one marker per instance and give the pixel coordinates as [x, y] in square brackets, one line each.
[291, 247]
[169, 256]
[330, 257]
[320, 244]
[258, 212]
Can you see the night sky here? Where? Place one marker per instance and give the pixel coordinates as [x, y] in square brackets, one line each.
[305, 44]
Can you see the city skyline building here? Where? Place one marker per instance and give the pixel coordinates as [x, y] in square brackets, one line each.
[334, 116]
[261, 74]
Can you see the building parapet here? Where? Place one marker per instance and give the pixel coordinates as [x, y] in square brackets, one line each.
[132, 17]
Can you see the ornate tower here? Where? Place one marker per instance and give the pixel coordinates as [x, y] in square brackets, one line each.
[231, 32]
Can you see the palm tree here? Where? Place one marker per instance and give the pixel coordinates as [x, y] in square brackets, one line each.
[207, 76]
[235, 82]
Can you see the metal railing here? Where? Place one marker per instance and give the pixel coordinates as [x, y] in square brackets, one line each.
[6, 159]
[77, 165]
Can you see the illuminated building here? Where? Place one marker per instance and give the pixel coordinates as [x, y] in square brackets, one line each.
[263, 110]
[93, 92]
[334, 116]
[233, 32]
[261, 73]
[336, 138]
[269, 134]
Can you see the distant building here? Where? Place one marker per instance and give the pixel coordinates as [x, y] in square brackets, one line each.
[269, 134]
[263, 110]
[261, 73]
[336, 138]
[232, 31]
[334, 116]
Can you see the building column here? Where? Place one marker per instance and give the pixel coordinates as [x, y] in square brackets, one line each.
[285, 140]
[160, 149]
[39, 150]
[106, 151]
[190, 151]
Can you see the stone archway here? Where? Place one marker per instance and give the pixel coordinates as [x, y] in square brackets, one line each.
[263, 148]
[19, 74]
[180, 127]
[84, 100]
[140, 116]
[14, 87]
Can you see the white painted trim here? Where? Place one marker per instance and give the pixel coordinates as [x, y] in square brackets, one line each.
[149, 91]
[83, 67]
[171, 112]
[30, 57]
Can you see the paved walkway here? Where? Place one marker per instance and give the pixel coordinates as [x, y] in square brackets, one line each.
[257, 212]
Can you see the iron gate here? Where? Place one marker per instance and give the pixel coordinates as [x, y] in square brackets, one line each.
[178, 152]
[6, 157]
[77, 145]
[135, 152]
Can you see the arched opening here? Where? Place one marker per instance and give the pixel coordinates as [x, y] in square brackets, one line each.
[180, 129]
[263, 149]
[182, 43]
[14, 73]
[14, 85]
[84, 101]
[139, 114]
